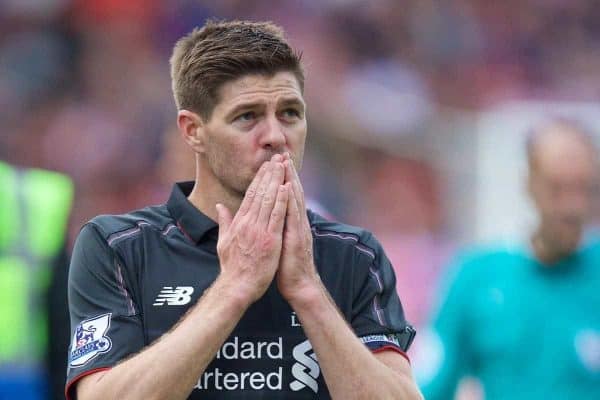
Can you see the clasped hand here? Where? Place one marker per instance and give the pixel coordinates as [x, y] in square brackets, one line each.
[268, 236]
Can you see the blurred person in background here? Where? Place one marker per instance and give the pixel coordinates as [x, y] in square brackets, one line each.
[524, 320]
[34, 334]
[258, 316]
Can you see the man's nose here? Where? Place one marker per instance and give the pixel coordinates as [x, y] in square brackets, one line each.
[273, 135]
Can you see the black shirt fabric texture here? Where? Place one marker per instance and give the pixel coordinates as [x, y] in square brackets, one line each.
[133, 276]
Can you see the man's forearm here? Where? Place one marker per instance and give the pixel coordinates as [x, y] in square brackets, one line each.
[351, 371]
[170, 368]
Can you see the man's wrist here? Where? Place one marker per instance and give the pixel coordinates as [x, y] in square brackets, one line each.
[307, 296]
[228, 289]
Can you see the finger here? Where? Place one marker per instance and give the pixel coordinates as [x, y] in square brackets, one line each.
[278, 214]
[298, 194]
[289, 174]
[292, 177]
[268, 200]
[251, 191]
[299, 188]
[260, 192]
[224, 218]
[293, 213]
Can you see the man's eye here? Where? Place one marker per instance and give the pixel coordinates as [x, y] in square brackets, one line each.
[247, 116]
[291, 113]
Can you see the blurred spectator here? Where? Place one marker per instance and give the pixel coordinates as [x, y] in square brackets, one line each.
[524, 319]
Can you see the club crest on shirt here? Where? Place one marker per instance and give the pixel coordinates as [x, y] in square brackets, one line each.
[89, 340]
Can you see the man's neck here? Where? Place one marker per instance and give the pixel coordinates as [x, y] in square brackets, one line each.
[205, 200]
[544, 251]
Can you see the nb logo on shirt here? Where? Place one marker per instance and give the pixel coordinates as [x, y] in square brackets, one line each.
[306, 368]
[179, 296]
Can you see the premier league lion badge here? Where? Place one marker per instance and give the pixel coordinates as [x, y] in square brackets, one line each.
[89, 340]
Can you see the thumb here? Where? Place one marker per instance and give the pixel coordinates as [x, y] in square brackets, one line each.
[224, 217]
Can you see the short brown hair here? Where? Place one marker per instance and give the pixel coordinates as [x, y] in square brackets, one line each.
[223, 51]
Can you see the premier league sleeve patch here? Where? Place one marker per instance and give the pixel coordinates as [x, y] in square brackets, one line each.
[90, 340]
[375, 342]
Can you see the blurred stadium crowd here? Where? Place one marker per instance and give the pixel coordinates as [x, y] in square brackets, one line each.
[84, 90]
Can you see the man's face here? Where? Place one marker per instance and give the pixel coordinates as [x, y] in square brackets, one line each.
[562, 183]
[256, 117]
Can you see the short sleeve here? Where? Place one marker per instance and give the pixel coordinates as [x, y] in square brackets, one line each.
[378, 317]
[105, 324]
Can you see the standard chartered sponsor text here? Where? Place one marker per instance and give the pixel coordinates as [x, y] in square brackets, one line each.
[235, 349]
[255, 380]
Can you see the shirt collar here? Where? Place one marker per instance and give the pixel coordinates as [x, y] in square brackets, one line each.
[195, 224]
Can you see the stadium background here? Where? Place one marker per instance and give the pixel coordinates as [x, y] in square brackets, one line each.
[417, 109]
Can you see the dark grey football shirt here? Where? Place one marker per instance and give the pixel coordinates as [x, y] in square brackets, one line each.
[134, 276]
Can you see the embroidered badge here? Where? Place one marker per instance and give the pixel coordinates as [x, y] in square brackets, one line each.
[89, 340]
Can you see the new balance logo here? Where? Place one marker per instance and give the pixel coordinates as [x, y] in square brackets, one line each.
[306, 368]
[179, 296]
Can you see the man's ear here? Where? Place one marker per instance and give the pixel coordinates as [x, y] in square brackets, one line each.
[191, 128]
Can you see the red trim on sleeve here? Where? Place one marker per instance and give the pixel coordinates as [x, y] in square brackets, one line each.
[392, 348]
[78, 377]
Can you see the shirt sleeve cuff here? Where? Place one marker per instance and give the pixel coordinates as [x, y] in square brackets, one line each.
[71, 383]
[382, 342]
[392, 348]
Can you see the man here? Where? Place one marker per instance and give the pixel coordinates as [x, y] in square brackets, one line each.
[34, 210]
[525, 320]
[274, 302]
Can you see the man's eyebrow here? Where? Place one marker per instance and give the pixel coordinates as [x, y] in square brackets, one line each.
[247, 105]
[291, 101]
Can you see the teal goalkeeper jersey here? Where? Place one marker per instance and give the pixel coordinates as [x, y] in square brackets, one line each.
[524, 329]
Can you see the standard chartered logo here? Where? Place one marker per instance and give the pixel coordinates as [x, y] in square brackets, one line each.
[230, 375]
[306, 369]
[236, 349]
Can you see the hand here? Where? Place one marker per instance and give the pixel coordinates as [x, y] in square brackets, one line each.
[297, 273]
[249, 244]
